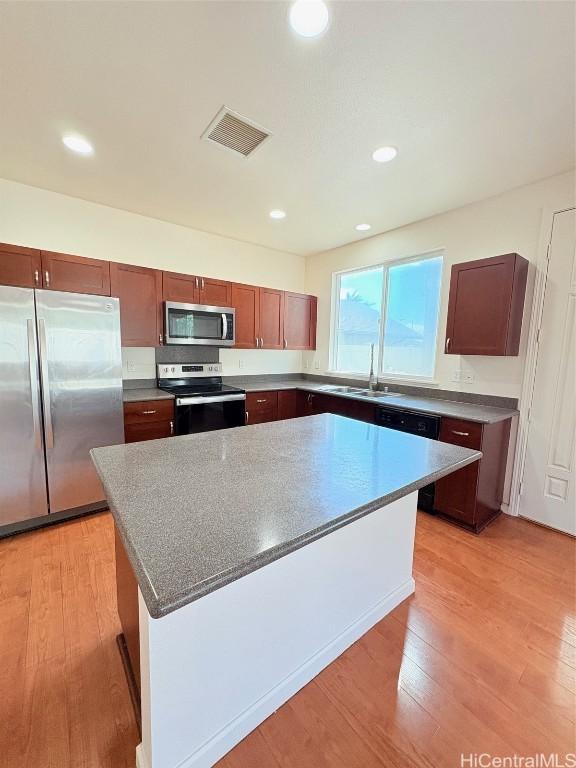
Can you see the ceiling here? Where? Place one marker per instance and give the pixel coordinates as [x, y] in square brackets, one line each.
[478, 97]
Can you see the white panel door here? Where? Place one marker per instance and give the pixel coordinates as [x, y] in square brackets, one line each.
[548, 479]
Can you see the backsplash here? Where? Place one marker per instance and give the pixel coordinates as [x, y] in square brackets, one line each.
[138, 363]
[187, 354]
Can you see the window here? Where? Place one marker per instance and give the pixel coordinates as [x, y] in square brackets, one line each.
[394, 307]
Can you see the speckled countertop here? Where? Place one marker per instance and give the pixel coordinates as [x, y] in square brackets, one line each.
[200, 511]
[484, 414]
[142, 394]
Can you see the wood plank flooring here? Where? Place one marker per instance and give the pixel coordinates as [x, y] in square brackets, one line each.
[481, 659]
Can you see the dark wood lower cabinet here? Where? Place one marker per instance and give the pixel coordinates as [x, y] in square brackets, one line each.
[148, 420]
[472, 496]
[288, 403]
[261, 407]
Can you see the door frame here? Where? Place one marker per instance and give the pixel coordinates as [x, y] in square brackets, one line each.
[529, 378]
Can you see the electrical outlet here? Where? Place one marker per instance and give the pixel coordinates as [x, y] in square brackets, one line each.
[317, 365]
[467, 377]
[305, 364]
[240, 363]
[132, 367]
[457, 375]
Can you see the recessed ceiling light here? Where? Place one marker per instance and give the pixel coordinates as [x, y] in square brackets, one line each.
[362, 227]
[78, 144]
[384, 154]
[309, 18]
[277, 214]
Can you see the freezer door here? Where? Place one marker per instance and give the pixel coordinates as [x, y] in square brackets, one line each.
[22, 470]
[81, 377]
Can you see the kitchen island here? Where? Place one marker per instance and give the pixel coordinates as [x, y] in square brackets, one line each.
[260, 554]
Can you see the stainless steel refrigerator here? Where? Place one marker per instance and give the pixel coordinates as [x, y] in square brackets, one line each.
[60, 396]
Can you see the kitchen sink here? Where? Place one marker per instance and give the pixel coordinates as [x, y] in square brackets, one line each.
[357, 391]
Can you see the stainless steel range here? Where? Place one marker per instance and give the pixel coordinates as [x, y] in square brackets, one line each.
[203, 402]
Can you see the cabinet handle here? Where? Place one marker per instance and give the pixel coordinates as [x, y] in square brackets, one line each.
[148, 413]
[171, 427]
[161, 338]
[36, 277]
[247, 417]
[47, 278]
[447, 343]
[261, 342]
[285, 343]
[202, 283]
[462, 434]
[196, 279]
[256, 342]
[262, 401]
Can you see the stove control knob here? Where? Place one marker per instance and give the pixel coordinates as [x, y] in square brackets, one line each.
[173, 369]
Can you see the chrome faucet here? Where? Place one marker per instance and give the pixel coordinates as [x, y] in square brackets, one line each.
[372, 378]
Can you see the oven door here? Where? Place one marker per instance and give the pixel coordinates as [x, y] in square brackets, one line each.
[203, 414]
[198, 324]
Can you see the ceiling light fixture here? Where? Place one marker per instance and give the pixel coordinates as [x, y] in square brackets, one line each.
[78, 144]
[277, 214]
[362, 227]
[309, 18]
[384, 154]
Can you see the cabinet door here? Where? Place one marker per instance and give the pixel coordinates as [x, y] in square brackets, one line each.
[214, 293]
[261, 407]
[140, 292]
[271, 318]
[155, 430]
[244, 299]
[485, 306]
[288, 403]
[177, 287]
[65, 272]
[299, 321]
[20, 266]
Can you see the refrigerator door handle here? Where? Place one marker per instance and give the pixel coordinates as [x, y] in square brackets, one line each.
[34, 389]
[49, 431]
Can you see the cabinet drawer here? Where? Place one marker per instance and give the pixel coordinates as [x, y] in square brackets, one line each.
[155, 430]
[148, 411]
[468, 434]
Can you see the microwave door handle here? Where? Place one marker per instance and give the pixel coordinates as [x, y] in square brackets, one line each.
[224, 326]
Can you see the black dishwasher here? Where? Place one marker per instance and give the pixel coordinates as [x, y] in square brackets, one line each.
[416, 424]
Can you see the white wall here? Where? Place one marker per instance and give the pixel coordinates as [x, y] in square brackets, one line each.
[508, 223]
[42, 219]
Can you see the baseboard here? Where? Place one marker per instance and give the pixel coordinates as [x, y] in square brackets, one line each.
[235, 731]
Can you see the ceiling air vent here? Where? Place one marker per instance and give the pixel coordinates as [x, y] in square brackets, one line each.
[234, 132]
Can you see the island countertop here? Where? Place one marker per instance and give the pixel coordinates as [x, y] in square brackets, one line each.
[199, 511]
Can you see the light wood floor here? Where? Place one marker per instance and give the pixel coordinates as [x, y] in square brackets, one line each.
[481, 659]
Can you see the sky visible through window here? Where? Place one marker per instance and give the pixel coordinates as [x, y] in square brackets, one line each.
[410, 309]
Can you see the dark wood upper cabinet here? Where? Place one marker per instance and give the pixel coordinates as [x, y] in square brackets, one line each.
[178, 287]
[215, 293]
[140, 292]
[20, 266]
[191, 289]
[485, 306]
[271, 318]
[299, 321]
[65, 272]
[245, 300]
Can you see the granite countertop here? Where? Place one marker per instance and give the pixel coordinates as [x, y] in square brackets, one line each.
[199, 511]
[484, 414]
[141, 394]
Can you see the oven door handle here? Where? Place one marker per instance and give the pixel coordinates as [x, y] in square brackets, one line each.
[204, 400]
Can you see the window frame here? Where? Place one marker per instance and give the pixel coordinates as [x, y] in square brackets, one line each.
[335, 315]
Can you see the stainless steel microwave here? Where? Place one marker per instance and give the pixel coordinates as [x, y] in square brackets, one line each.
[199, 324]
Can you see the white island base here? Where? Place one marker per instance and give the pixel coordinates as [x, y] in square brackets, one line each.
[214, 669]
